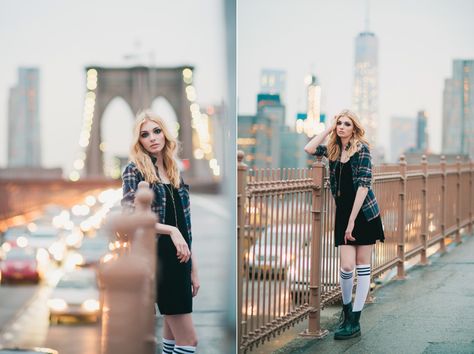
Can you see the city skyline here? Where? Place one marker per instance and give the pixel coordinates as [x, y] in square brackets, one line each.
[62, 39]
[415, 53]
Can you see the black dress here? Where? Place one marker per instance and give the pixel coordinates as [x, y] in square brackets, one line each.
[174, 292]
[365, 232]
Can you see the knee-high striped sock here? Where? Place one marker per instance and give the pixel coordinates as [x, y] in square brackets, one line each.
[363, 285]
[184, 349]
[168, 346]
[347, 281]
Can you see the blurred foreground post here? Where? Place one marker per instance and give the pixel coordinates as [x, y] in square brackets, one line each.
[128, 282]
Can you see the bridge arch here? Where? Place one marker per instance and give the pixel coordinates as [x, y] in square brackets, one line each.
[116, 127]
[138, 87]
[162, 107]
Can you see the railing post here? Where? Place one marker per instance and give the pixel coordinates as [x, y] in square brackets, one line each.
[241, 199]
[442, 242]
[128, 282]
[458, 200]
[471, 204]
[314, 320]
[401, 219]
[424, 223]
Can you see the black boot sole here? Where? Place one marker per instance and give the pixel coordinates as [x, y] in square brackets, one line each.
[354, 335]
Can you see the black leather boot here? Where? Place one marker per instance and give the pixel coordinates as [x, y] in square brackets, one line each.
[351, 329]
[345, 313]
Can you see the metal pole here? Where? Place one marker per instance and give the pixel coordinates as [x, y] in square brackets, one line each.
[241, 199]
[458, 200]
[424, 223]
[314, 320]
[401, 219]
[470, 196]
[442, 243]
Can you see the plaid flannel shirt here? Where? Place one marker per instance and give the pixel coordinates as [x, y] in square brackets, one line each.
[361, 166]
[131, 176]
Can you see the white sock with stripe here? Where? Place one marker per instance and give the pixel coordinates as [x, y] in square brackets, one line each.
[168, 346]
[363, 285]
[184, 349]
[347, 281]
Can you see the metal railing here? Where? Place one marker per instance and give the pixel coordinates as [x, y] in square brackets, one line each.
[288, 267]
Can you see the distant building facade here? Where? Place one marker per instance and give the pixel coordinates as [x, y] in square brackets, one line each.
[458, 110]
[24, 143]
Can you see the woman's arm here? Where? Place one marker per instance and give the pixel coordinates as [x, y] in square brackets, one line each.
[359, 200]
[130, 180]
[364, 180]
[182, 250]
[194, 276]
[310, 148]
[193, 260]
[364, 183]
[164, 229]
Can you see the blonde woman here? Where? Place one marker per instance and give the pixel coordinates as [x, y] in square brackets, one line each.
[357, 223]
[153, 159]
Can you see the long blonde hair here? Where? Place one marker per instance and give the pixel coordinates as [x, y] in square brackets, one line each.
[335, 146]
[142, 158]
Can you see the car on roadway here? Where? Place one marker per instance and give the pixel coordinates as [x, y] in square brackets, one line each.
[91, 250]
[51, 240]
[76, 295]
[21, 264]
[276, 249]
[12, 234]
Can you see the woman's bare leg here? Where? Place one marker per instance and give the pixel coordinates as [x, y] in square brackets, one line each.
[166, 329]
[348, 257]
[346, 273]
[363, 254]
[182, 329]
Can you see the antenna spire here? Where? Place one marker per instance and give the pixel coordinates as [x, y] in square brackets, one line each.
[367, 15]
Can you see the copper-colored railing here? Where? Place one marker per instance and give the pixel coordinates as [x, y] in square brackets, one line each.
[288, 267]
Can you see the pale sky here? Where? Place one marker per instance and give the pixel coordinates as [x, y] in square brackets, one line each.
[417, 42]
[62, 37]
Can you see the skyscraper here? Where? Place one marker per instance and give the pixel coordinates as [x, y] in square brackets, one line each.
[24, 145]
[422, 142]
[403, 136]
[458, 110]
[273, 82]
[365, 89]
[313, 89]
[258, 135]
[265, 139]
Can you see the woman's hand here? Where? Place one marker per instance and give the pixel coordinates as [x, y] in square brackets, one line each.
[182, 250]
[332, 124]
[348, 235]
[195, 281]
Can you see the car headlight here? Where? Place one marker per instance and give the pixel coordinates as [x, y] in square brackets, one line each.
[42, 256]
[91, 305]
[78, 259]
[57, 304]
[107, 258]
[22, 241]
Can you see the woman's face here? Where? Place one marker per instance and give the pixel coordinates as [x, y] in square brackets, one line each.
[344, 127]
[152, 137]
